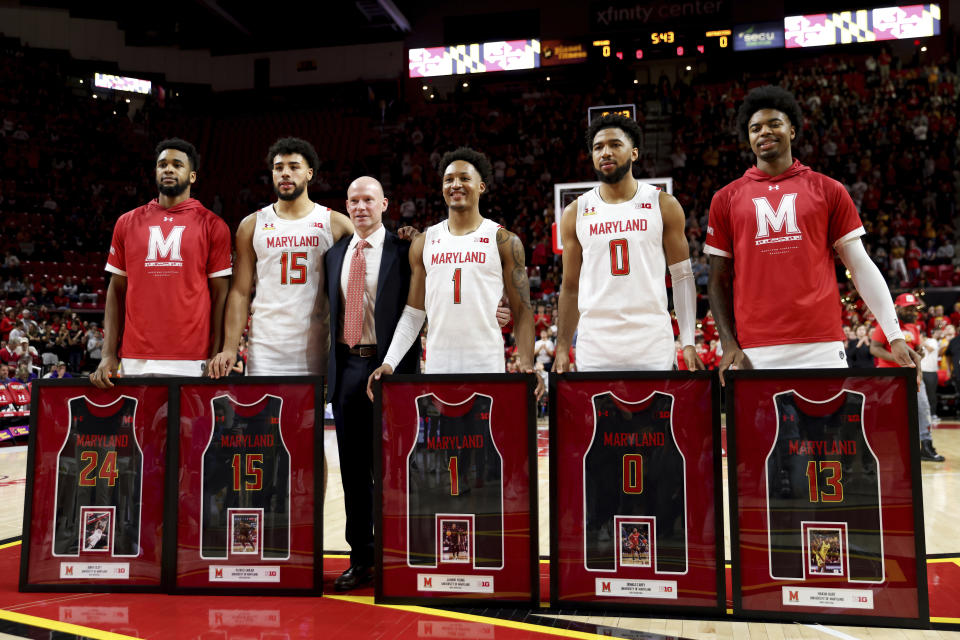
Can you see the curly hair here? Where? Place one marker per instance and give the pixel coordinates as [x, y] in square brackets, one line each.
[615, 121]
[179, 144]
[479, 161]
[287, 146]
[769, 97]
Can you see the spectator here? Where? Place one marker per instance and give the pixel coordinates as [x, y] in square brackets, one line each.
[94, 340]
[544, 349]
[858, 349]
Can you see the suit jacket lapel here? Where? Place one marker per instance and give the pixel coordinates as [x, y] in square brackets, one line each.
[387, 259]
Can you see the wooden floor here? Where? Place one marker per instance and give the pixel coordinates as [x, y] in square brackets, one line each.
[941, 488]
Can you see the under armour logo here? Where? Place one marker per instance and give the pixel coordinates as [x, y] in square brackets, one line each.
[773, 187]
[167, 219]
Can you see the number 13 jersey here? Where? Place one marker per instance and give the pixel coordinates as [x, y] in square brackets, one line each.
[624, 322]
[822, 470]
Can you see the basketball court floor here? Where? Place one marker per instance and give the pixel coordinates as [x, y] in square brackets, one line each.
[117, 616]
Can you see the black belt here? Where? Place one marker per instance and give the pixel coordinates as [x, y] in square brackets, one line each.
[361, 350]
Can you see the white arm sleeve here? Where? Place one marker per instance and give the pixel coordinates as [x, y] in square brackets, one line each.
[871, 285]
[684, 300]
[408, 330]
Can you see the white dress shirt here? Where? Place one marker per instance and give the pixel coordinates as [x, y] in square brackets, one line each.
[372, 254]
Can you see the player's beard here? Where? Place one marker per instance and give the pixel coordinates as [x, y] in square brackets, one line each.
[617, 175]
[172, 190]
[293, 195]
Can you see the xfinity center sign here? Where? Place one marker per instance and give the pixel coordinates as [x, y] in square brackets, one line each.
[615, 15]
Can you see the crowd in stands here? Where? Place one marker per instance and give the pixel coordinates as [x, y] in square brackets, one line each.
[886, 129]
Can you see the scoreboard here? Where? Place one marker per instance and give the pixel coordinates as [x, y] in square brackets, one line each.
[665, 43]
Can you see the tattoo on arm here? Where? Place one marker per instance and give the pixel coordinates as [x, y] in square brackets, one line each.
[519, 275]
[503, 235]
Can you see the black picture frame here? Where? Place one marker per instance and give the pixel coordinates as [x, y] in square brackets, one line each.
[531, 440]
[657, 608]
[172, 515]
[922, 621]
[25, 558]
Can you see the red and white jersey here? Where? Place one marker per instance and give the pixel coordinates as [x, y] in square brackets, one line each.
[780, 233]
[624, 322]
[167, 255]
[463, 289]
[290, 319]
[911, 334]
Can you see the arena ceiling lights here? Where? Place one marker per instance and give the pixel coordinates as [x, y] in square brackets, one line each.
[865, 25]
[509, 55]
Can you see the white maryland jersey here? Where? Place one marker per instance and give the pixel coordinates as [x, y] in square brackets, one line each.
[464, 285]
[624, 322]
[289, 328]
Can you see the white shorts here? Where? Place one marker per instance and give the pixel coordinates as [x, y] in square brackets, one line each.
[134, 367]
[807, 355]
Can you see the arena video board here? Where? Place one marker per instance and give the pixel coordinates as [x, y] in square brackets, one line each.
[122, 83]
[758, 35]
[865, 25]
[488, 57]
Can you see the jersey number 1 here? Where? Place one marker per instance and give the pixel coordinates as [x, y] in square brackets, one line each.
[619, 257]
[292, 270]
[456, 287]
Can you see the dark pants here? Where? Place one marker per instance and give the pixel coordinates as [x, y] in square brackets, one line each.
[353, 415]
[930, 382]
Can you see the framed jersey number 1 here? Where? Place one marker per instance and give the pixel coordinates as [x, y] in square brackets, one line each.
[826, 500]
[250, 486]
[456, 493]
[635, 492]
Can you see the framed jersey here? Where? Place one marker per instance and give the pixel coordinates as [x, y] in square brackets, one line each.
[250, 463]
[456, 489]
[635, 492]
[826, 500]
[96, 476]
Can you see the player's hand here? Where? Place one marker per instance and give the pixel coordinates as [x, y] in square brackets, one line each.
[692, 359]
[904, 356]
[106, 370]
[221, 364]
[561, 363]
[408, 233]
[382, 370]
[503, 313]
[733, 358]
[541, 388]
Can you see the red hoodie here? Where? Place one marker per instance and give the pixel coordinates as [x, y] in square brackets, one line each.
[780, 232]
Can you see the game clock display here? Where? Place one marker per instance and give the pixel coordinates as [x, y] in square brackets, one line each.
[250, 486]
[826, 500]
[96, 475]
[635, 492]
[456, 495]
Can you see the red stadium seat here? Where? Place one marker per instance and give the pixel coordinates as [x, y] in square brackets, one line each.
[6, 398]
[20, 393]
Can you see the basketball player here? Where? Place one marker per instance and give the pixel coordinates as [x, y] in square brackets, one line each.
[771, 238]
[280, 250]
[170, 261]
[94, 538]
[617, 239]
[459, 268]
[634, 540]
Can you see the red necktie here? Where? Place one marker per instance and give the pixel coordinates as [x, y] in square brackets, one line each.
[353, 316]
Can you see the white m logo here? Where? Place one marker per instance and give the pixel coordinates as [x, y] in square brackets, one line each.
[168, 247]
[786, 213]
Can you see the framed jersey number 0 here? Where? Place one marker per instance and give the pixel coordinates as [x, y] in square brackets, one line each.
[456, 493]
[635, 492]
[826, 501]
